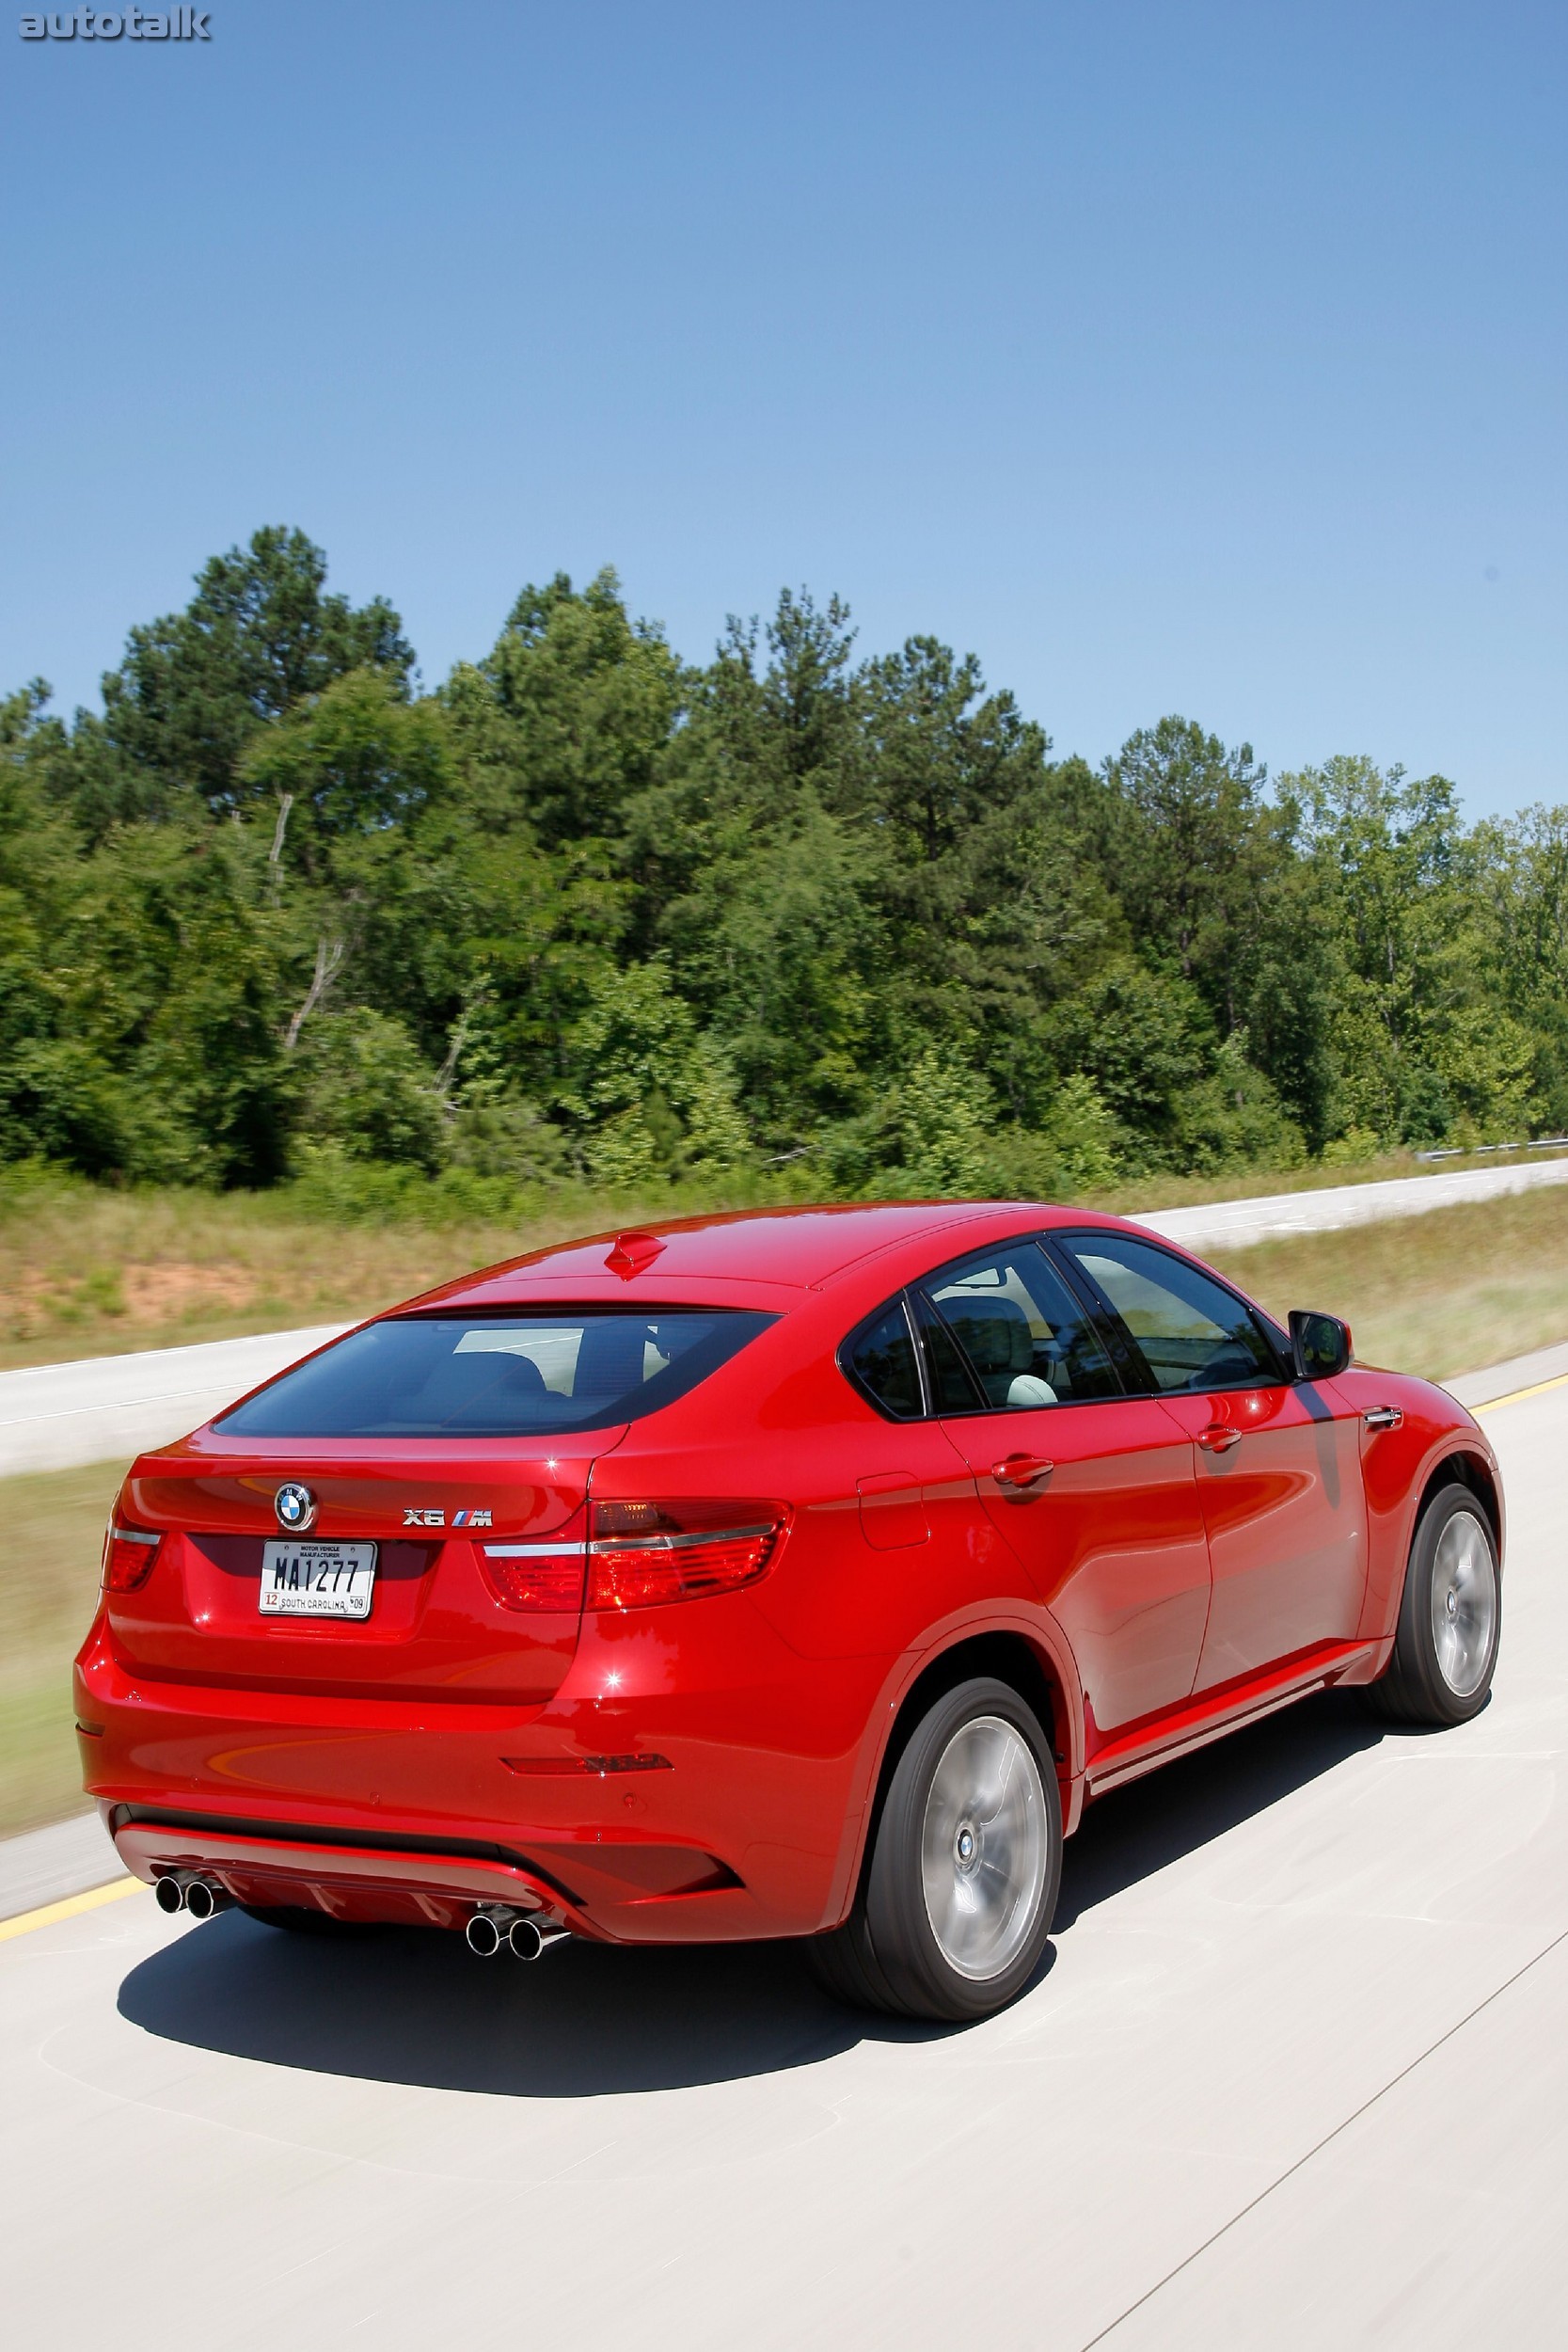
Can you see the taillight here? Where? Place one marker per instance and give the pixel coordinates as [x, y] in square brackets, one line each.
[128, 1556]
[644, 1553]
[536, 1576]
[639, 1555]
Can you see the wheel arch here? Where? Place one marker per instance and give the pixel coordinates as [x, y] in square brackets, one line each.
[1008, 1655]
[1465, 1467]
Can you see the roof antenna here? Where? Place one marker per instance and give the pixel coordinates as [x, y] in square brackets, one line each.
[632, 1252]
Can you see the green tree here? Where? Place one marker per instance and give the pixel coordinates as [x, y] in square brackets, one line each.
[841, 922]
[565, 718]
[1521, 869]
[367, 1088]
[164, 968]
[259, 636]
[653, 1094]
[1420, 1035]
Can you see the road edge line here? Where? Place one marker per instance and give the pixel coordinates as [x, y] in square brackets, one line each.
[1517, 1396]
[69, 1908]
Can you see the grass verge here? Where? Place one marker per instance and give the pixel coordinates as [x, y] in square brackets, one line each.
[49, 1577]
[89, 1271]
[1439, 1295]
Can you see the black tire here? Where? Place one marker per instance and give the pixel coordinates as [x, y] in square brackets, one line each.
[977, 1744]
[295, 1919]
[845, 1967]
[1453, 1578]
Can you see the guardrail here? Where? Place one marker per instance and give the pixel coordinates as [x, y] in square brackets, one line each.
[1477, 1150]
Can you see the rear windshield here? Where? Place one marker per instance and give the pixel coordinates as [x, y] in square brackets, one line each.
[535, 1376]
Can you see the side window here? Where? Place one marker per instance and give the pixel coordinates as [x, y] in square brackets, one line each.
[1024, 1337]
[953, 1387]
[880, 1358]
[1189, 1330]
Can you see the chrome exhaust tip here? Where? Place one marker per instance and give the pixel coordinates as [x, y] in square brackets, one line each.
[530, 1941]
[486, 1932]
[501, 1928]
[205, 1898]
[169, 1895]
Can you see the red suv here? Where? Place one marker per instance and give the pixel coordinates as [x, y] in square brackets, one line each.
[791, 1574]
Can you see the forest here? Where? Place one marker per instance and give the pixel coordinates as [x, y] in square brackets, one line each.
[799, 919]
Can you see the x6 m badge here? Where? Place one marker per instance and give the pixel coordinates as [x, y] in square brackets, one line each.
[438, 1518]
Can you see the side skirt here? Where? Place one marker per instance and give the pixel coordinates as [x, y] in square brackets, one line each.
[1200, 1721]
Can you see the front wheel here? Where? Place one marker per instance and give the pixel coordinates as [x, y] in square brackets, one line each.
[1450, 1617]
[961, 1884]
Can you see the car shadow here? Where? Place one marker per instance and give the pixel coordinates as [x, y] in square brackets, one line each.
[587, 2020]
[1135, 1831]
[417, 2007]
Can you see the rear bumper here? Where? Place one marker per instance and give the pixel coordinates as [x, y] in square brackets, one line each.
[725, 1811]
[406, 1884]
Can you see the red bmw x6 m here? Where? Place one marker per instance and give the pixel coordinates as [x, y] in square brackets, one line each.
[789, 1574]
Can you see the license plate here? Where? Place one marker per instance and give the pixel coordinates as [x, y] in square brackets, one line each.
[307, 1580]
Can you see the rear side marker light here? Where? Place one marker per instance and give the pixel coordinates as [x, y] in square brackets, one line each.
[641, 1555]
[128, 1553]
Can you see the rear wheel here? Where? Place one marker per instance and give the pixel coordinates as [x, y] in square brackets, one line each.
[957, 1897]
[1450, 1617]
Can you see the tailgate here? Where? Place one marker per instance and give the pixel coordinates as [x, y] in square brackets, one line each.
[414, 1518]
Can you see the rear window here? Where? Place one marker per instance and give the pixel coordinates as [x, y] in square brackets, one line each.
[532, 1376]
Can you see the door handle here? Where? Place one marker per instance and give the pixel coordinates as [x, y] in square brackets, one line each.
[1023, 1471]
[1219, 1438]
[1383, 1417]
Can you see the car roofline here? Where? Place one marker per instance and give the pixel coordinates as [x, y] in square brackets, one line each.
[532, 1267]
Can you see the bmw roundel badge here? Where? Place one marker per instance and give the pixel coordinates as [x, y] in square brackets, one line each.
[295, 1506]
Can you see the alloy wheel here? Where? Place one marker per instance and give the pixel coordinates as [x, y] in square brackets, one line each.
[1464, 1603]
[985, 1850]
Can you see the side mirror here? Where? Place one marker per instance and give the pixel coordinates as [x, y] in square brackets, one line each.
[1320, 1344]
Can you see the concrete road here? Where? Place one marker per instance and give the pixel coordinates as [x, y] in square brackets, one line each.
[44, 1866]
[1297, 2075]
[62, 1415]
[1210, 1225]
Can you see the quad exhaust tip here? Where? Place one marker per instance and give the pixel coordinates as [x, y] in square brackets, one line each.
[496, 1929]
[489, 1931]
[185, 1890]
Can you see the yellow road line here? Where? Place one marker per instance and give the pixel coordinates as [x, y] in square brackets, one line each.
[1517, 1396]
[45, 1917]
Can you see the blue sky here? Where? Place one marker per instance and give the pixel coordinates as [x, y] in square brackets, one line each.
[1181, 358]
